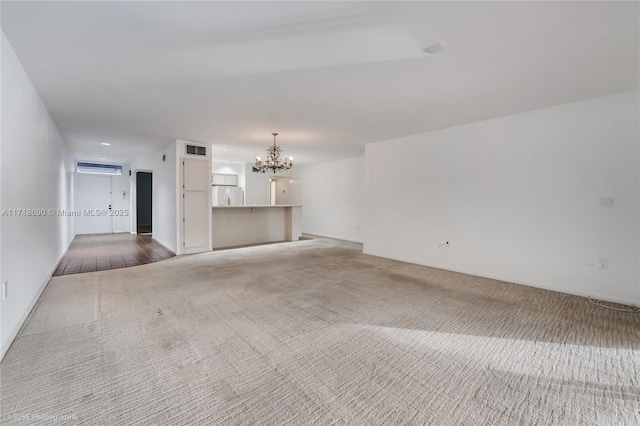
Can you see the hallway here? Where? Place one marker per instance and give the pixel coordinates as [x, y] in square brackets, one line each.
[99, 252]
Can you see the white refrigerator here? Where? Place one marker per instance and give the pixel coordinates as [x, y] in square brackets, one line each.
[227, 196]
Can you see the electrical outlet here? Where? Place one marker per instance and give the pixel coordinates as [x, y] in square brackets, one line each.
[603, 262]
[607, 201]
[5, 285]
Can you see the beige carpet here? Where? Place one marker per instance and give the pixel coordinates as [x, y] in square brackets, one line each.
[315, 332]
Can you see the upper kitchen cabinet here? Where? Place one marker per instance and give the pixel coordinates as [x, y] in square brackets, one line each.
[223, 179]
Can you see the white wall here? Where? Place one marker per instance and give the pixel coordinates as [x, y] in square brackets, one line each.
[294, 191]
[517, 197]
[164, 197]
[333, 198]
[256, 191]
[37, 173]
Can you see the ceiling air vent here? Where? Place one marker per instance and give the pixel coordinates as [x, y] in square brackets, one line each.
[196, 150]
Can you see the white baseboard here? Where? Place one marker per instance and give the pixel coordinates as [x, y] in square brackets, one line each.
[333, 237]
[34, 300]
[603, 297]
[163, 244]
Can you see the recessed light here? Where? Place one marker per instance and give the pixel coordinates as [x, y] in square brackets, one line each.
[436, 48]
[225, 149]
[105, 143]
[103, 158]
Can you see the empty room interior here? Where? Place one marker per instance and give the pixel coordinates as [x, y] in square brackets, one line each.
[295, 213]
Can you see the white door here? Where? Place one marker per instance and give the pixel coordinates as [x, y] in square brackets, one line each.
[93, 199]
[195, 205]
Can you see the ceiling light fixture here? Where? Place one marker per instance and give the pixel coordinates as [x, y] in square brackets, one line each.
[436, 48]
[273, 161]
[105, 143]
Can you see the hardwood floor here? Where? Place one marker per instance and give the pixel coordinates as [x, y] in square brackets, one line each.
[89, 253]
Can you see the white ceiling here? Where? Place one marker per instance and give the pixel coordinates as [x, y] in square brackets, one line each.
[328, 76]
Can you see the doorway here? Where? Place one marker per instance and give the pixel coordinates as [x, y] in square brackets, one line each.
[94, 201]
[144, 185]
[284, 191]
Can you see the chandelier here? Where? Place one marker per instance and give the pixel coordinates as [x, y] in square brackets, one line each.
[273, 162]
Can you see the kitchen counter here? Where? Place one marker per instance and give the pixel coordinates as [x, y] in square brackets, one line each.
[255, 207]
[241, 225]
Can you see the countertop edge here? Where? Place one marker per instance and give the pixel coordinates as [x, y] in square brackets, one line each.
[257, 207]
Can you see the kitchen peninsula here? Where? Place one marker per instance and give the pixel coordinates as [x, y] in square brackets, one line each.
[241, 224]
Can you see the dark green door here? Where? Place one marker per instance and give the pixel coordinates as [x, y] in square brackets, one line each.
[143, 202]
